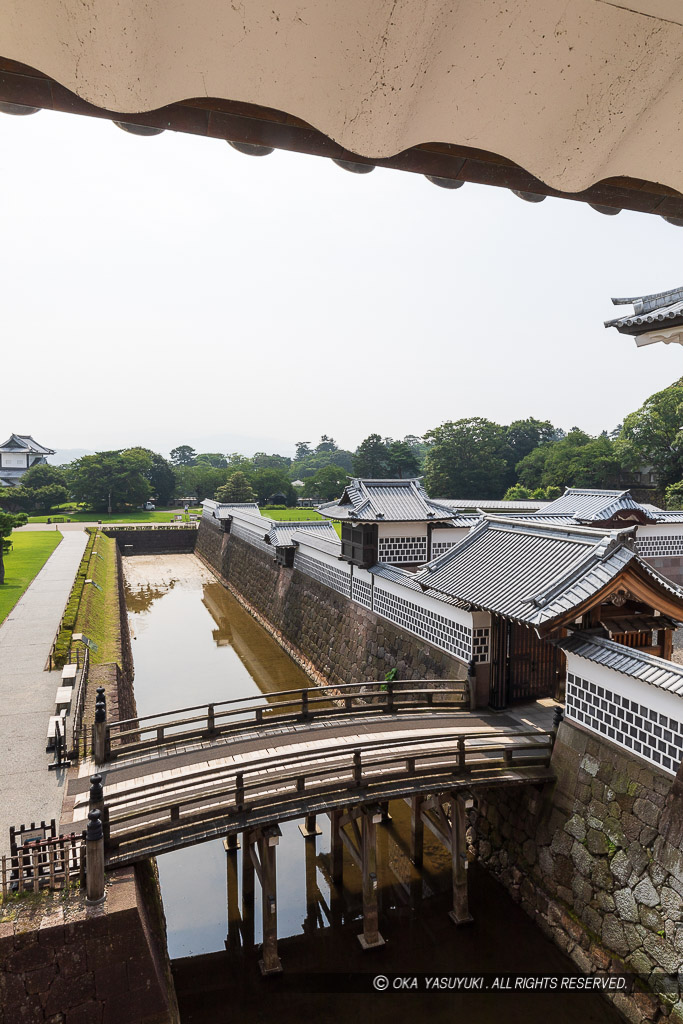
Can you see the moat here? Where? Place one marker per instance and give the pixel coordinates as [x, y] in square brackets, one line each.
[192, 643]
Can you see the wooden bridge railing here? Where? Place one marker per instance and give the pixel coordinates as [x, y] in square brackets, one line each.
[161, 815]
[211, 720]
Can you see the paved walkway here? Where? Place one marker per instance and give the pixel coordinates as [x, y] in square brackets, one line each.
[28, 791]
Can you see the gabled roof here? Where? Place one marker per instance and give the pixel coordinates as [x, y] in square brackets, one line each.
[591, 505]
[650, 312]
[25, 443]
[223, 510]
[287, 534]
[489, 504]
[630, 661]
[535, 573]
[325, 542]
[385, 501]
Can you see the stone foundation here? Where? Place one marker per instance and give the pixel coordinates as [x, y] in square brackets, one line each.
[596, 861]
[87, 965]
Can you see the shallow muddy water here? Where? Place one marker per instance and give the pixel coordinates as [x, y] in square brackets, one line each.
[193, 643]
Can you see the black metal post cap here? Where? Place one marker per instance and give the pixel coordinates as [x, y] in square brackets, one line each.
[557, 717]
[100, 713]
[96, 791]
[95, 830]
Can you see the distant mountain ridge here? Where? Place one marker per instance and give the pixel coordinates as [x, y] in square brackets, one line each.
[64, 455]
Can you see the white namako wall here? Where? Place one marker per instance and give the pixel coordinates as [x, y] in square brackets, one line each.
[402, 542]
[641, 718]
[443, 540]
[660, 540]
[449, 628]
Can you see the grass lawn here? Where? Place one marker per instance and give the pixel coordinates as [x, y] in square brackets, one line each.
[29, 554]
[293, 514]
[98, 612]
[116, 517]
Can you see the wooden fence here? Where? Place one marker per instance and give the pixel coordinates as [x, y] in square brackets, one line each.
[51, 863]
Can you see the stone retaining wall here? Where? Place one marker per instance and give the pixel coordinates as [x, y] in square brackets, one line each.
[597, 863]
[87, 965]
[153, 542]
[342, 641]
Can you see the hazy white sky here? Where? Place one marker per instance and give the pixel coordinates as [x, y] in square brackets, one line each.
[170, 290]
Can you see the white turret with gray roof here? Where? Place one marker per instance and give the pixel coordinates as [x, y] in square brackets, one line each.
[17, 455]
[394, 521]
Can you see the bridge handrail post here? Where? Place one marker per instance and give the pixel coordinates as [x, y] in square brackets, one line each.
[100, 733]
[210, 719]
[558, 716]
[94, 845]
[305, 713]
[96, 795]
[357, 769]
[390, 697]
[461, 754]
[239, 791]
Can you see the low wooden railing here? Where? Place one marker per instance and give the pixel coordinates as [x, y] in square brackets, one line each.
[119, 527]
[165, 814]
[47, 863]
[212, 720]
[78, 704]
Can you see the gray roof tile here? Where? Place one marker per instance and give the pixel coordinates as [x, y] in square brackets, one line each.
[390, 501]
[629, 660]
[530, 572]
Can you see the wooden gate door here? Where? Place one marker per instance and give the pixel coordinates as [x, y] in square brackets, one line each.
[535, 667]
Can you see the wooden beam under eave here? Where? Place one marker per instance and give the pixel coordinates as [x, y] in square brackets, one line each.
[631, 578]
[230, 120]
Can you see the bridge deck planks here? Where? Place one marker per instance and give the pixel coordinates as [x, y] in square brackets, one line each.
[203, 773]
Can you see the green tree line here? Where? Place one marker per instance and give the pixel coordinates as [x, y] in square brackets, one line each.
[470, 457]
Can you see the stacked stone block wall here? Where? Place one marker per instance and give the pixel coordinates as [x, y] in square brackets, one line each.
[340, 639]
[597, 862]
[153, 542]
[80, 965]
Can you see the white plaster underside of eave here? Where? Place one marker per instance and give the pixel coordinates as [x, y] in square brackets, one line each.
[672, 336]
[573, 92]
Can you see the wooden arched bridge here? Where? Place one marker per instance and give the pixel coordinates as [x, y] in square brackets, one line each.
[243, 766]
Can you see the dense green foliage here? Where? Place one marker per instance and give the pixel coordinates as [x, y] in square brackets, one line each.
[653, 435]
[467, 458]
[236, 488]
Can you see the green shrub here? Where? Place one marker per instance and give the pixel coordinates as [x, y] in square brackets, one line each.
[62, 644]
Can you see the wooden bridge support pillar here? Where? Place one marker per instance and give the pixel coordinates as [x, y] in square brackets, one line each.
[460, 913]
[310, 828]
[231, 846]
[336, 848]
[312, 893]
[371, 938]
[416, 830]
[247, 892]
[266, 870]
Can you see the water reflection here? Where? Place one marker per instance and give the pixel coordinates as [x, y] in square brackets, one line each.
[142, 599]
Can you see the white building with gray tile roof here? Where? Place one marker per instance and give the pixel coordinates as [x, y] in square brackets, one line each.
[17, 455]
[394, 521]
